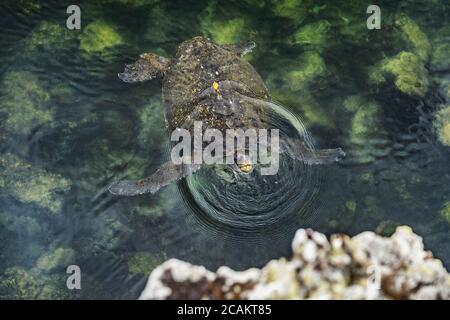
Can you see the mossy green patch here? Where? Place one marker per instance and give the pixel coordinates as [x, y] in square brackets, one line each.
[228, 25]
[25, 225]
[311, 66]
[353, 28]
[292, 9]
[444, 134]
[153, 131]
[354, 102]
[371, 208]
[367, 178]
[226, 32]
[32, 185]
[62, 94]
[440, 58]
[402, 189]
[445, 211]
[350, 205]
[160, 205]
[48, 36]
[309, 109]
[99, 36]
[367, 135]
[315, 34]
[25, 102]
[19, 283]
[408, 70]
[161, 28]
[58, 258]
[387, 228]
[143, 262]
[410, 74]
[442, 125]
[365, 122]
[414, 34]
[440, 55]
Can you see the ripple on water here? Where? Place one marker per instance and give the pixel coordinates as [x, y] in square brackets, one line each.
[249, 207]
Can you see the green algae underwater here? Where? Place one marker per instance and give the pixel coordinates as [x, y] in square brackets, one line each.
[69, 127]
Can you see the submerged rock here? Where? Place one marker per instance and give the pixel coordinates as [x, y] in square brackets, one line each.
[314, 34]
[367, 266]
[367, 137]
[25, 102]
[408, 70]
[312, 112]
[442, 125]
[32, 185]
[415, 36]
[225, 32]
[58, 258]
[311, 66]
[292, 9]
[445, 211]
[99, 36]
[142, 262]
[48, 36]
[225, 26]
[20, 283]
[440, 59]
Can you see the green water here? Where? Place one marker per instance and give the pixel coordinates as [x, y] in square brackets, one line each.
[69, 127]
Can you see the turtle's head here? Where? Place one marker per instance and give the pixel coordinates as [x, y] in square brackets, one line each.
[147, 67]
[246, 167]
[248, 47]
[244, 164]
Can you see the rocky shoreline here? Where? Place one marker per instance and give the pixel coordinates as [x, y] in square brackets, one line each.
[366, 266]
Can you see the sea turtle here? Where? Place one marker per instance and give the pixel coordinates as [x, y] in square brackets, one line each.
[214, 84]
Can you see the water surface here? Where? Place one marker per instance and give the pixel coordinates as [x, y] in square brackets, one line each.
[69, 127]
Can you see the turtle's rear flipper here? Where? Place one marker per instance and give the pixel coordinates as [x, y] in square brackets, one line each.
[298, 150]
[147, 67]
[166, 174]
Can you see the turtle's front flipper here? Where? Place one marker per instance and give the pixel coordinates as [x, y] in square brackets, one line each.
[166, 174]
[298, 150]
[241, 48]
[147, 67]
